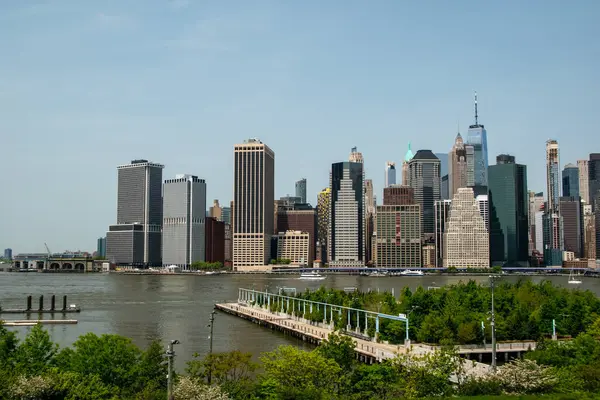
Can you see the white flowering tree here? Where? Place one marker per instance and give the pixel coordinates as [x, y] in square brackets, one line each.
[32, 388]
[526, 376]
[192, 389]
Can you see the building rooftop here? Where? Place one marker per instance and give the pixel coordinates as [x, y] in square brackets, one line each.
[409, 154]
[425, 155]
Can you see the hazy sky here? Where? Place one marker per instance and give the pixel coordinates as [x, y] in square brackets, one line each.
[88, 85]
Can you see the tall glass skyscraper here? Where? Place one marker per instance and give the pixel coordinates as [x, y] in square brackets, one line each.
[477, 137]
[570, 181]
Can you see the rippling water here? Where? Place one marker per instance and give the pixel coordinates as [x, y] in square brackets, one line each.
[164, 307]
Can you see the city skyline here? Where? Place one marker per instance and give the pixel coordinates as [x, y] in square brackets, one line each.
[113, 108]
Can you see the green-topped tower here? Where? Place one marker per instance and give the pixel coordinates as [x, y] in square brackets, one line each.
[407, 157]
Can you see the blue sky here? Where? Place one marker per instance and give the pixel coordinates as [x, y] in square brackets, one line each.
[88, 85]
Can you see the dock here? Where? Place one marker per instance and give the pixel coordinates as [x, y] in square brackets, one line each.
[33, 322]
[66, 309]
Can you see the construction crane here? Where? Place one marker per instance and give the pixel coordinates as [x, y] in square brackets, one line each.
[48, 250]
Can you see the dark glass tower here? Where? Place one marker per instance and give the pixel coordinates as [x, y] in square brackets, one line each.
[424, 178]
[594, 178]
[509, 202]
[570, 181]
[571, 211]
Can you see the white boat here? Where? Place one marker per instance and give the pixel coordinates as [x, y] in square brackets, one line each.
[408, 272]
[573, 280]
[378, 274]
[312, 276]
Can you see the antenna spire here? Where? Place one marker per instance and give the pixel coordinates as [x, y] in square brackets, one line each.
[476, 117]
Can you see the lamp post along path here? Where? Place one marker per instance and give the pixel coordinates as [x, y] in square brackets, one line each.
[170, 357]
[210, 348]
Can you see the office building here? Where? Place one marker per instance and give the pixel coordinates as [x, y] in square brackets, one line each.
[390, 174]
[539, 231]
[214, 243]
[584, 180]
[509, 204]
[226, 215]
[570, 181]
[466, 239]
[356, 156]
[536, 202]
[424, 178]
[477, 137]
[293, 246]
[323, 201]
[302, 220]
[370, 204]
[553, 239]
[301, 190]
[8, 254]
[571, 210]
[461, 164]
[407, 157]
[589, 222]
[253, 203]
[594, 179]
[216, 211]
[228, 243]
[135, 240]
[484, 209]
[442, 213]
[445, 188]
[184, 219]
[398, 195]
[347, 215]
[398, 241]
[101, 247]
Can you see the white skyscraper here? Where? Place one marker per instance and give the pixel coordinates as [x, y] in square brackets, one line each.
[390, 174]
[466, 239]
[484, 209]
[184, 218]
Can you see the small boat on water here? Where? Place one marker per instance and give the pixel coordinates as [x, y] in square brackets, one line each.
[573, 279]
[408, 272]
[312, 276]
[378, 274]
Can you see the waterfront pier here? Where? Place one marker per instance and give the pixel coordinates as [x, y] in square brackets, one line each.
[29, 309]
[290, 315]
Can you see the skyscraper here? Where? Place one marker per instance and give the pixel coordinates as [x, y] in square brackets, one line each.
[390, 174]
[253, 203]
[347, 214]
[553, 239]
[407, 157]
[584, 181]
[355, 156]
[477, 137]
[552, 175]
[424, 178]
[301, 190]
[536, 202]
[8, 254]
[184, 221]
[323, 201]
[466, 238]
[594, 179]
[398, 236]
[460, 166]
[136, 238]
[442, 213]
[398, 195]
[509, 204]
[570, 181]
[216, 211]
[370, 204]
[101, 247]
[571, 210]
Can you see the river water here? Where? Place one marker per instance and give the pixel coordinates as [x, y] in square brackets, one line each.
[165, 307]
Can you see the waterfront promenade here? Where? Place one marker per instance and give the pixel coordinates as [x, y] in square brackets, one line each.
[368, 351]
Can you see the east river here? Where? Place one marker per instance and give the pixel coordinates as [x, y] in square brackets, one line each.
[165, 307]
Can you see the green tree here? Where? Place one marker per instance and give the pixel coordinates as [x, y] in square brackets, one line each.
[151, 369]
[339, 348]
[74, 386]
[377, 381]
[112, 358]
[230, 370]
[36, 353]
[289, 371]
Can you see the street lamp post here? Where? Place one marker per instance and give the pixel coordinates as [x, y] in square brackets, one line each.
[170, 357]
[407, 340]
[210, 348]
[492, 281]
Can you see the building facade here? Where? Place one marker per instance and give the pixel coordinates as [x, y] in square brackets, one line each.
[584, 182]
[571, 210]
[293, 246]
[100, 248]
[323, 202]
[136, 238]
[553, 239]
[461, 165]
[442, 213]
[347, 215]
[216, 211]
[300, 220]
[184, 219]
[8, 253]
[589, 222]
[509, 205]
[466, 239]
[407, 157]
[570, 181]
[253, 204]
[594, 179]
[214, 243]
[398, 195]
[424, 178]
[390, 174]
[536, 203]
[301, 190]
[398, 239]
